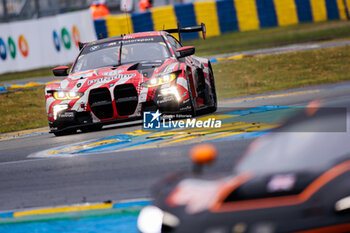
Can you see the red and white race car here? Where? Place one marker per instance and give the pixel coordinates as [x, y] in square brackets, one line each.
[116, 79]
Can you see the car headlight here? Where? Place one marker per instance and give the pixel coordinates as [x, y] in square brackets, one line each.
[160, 80]
[171, 91]
[64, 95]
[59, 108]
[150, 220]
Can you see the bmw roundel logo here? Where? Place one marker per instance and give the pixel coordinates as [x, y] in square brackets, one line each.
[93, 48]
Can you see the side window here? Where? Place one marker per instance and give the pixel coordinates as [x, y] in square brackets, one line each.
[174, 43]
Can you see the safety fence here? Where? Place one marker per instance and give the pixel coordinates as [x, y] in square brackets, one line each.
[44, 42]
[224, 15]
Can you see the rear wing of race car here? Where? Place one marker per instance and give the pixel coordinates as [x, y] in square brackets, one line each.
[179, 30]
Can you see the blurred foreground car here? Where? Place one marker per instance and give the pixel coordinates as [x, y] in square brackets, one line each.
[296, 179]
[116, 79]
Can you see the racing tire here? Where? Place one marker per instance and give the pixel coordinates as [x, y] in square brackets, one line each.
[214, 106]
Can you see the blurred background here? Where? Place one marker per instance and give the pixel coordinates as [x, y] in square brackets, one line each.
[13, 10]
[28, 26]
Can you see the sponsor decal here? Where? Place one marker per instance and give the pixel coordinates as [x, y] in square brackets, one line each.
[69, 115]
[108, 79]
[76, 35]
[93, 48]
[23, 46]
[151, 64]
[280, 183]
[185, 108]
[140, 40]
[186, 101]
[109, 44]
[66, 38]
[195, 195]
[152, 120]
[3, 53]
[12, 48]
[56, 41]
[112, 73]
[83, 75]
[166, 99]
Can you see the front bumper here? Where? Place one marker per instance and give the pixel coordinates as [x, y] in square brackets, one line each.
[125, 106]
[167, 103]
[77, 120]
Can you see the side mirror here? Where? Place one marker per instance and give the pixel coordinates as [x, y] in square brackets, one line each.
[343, 205]
[81, 45]
[186, 51]
[204, 31]
[202, 154]
[60, 71]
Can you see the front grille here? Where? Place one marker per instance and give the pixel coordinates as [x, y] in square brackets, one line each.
[126, 99]
[101, 103]
[83, 117]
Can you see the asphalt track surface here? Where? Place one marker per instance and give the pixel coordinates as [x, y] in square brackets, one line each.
[27, 182]
[224, 57]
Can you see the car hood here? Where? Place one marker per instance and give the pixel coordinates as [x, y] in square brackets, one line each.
[198, 195]
[135, 73]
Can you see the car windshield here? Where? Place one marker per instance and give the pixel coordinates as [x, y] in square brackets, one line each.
[133, 50]
[298, 149]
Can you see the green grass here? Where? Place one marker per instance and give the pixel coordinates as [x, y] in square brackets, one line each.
[22, 110]
[271, 37]
[276, 72]
[26, 74]
[26, 109]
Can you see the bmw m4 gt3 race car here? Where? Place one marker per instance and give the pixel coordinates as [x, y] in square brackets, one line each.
[296, 179]
[116, 79]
